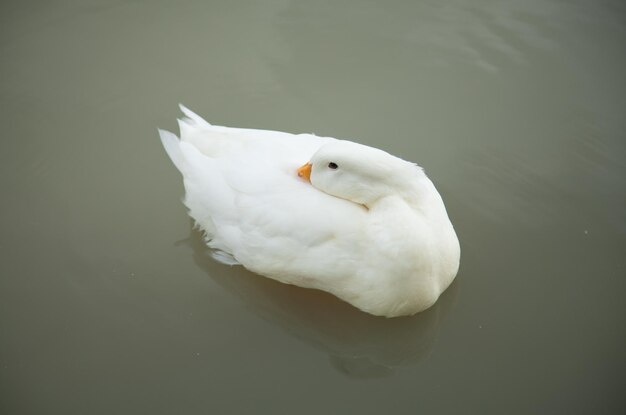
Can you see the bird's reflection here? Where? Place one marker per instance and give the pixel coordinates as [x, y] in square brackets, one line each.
[358, 344]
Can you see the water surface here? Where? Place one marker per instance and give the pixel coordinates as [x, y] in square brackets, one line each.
[109, 303]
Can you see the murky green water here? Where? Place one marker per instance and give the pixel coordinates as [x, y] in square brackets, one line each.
[109, 305]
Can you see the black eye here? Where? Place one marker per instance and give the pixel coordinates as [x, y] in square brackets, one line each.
[332, 165]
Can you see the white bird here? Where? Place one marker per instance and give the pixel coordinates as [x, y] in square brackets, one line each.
[318, 212]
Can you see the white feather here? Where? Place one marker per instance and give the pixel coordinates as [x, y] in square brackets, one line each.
[374, 233]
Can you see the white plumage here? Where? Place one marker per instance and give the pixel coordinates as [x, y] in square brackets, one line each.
[368, 227]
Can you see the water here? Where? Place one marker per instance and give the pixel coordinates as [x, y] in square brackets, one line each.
[108, 303]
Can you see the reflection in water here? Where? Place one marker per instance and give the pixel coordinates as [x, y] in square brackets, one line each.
[359, 345]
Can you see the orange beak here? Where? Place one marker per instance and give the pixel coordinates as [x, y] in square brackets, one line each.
[305, 171]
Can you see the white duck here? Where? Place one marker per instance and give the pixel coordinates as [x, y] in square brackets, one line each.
[353, 220]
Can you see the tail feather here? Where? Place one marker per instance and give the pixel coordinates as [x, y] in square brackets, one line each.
[207, 194]
[171, 143]
[192, 118]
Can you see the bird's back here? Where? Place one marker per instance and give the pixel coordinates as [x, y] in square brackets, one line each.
[242, 189]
